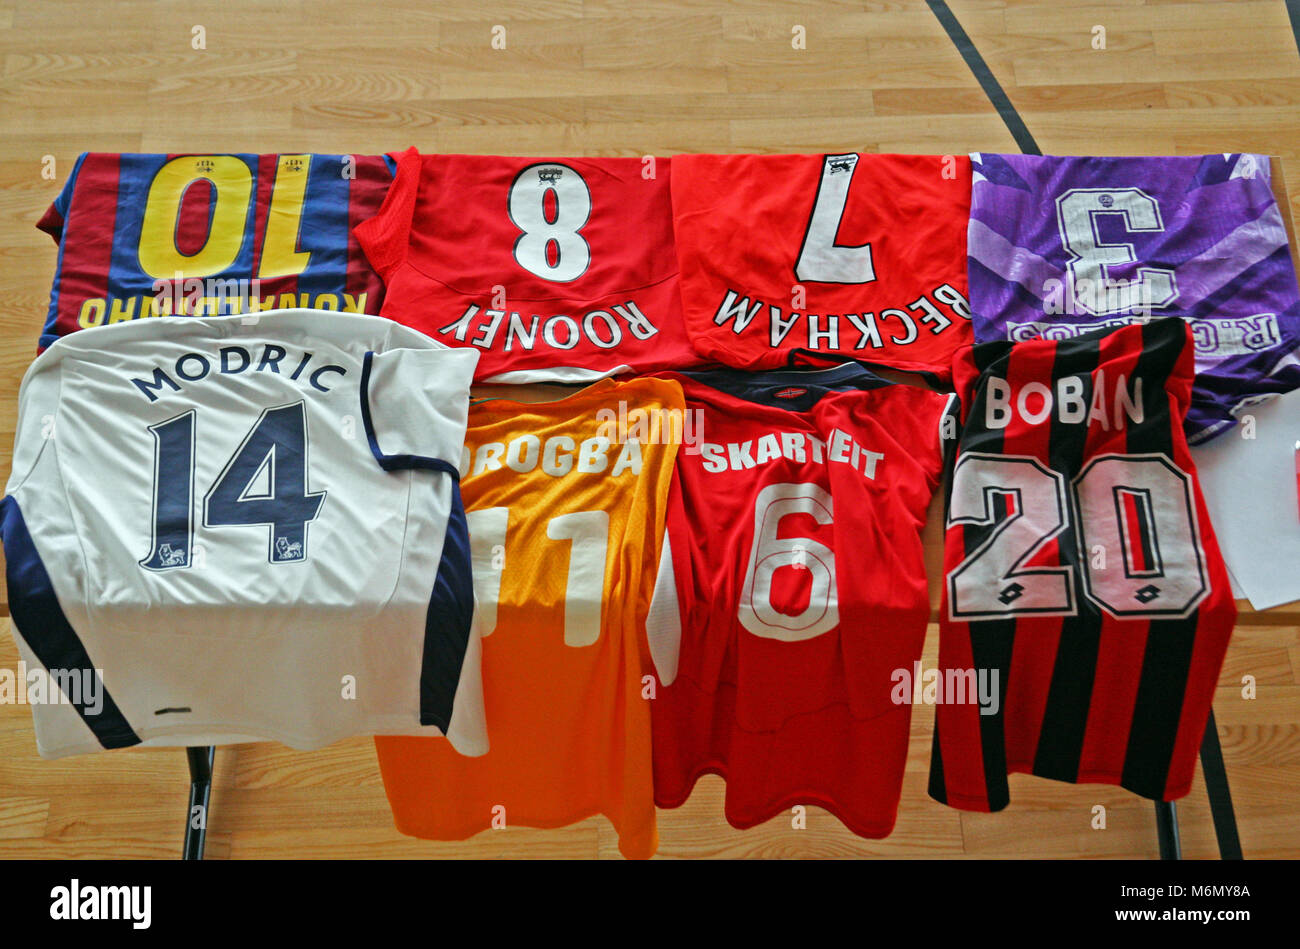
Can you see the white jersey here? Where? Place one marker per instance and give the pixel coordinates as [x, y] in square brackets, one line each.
[243, 528]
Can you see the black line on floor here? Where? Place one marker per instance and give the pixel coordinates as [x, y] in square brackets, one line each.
[984, 75]
[1293, 10]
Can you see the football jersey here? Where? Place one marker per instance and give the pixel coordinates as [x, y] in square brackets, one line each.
[1062, 246]
[566, 518]
[1086, 607]
[557, 270]
[792, 592]
[243, 528]
[859, 256]
[200, 235]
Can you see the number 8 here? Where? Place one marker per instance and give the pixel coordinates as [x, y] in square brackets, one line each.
[527, 206]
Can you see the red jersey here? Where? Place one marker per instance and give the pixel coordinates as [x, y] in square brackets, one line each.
[860, 256]
[1085, 599]
[558, 270]
[791, 591]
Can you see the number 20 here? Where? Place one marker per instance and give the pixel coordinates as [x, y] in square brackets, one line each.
[1137, 506]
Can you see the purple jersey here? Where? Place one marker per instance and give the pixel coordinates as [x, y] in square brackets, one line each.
[1060, 246]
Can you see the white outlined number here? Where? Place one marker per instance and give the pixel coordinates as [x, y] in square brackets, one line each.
[1138, 505]
[1077, 213]
[769, 553]
[550, 204]
[821, 259]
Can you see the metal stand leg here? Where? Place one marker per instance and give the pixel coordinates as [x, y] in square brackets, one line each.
[1167, 831]
[200, 789]
[1216, 785]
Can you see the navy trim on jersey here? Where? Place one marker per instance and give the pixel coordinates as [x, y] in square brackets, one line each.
[394, 462]
[448, 624]
[39, 618]
[762, 387]
[812, 357]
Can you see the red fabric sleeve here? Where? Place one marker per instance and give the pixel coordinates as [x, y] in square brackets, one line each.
[385, 237]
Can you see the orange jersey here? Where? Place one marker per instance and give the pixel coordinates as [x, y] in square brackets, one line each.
[566, 516]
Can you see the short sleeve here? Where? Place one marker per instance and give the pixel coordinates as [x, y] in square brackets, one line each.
[385, 237]
[934, 432]
[56, 215]
[415, 405]
[39, 401]
[663, 624]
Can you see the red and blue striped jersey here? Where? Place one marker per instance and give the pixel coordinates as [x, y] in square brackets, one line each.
[153, 235]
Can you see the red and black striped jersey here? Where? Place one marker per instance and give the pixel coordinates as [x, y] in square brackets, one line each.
[1086, 607]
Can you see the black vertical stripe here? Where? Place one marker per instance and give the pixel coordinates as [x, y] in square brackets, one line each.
[938, 787]
[1168, 655]
[1143, 532]
[1069, 696]
[991, 641]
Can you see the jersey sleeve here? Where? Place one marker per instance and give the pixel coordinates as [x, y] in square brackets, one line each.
[663, 625]
[415, 405]
[1266, 362]
[56, 215]
[385, 237]
[38, 408]
[929, 434]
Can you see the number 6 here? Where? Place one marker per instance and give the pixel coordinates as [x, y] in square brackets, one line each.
[769, 553]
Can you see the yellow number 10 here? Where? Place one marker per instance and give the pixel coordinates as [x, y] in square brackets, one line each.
[232, 183]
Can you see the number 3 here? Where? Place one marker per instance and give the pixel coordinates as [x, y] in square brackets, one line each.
[1077, 211]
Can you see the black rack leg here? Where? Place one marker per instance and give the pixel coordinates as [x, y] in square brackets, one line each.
[1167, 831]
[1216, 785]
[200, 789]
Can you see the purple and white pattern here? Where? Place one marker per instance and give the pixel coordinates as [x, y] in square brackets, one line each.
[1060, 246]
